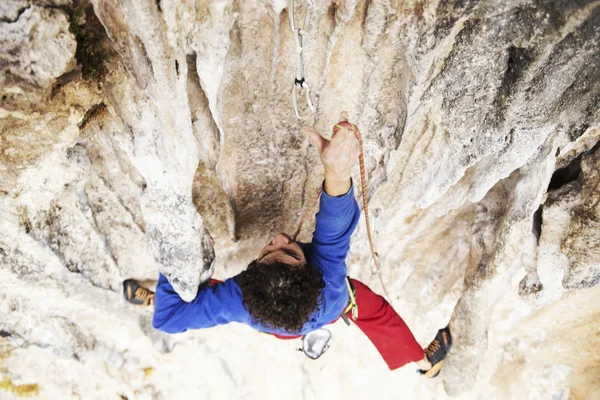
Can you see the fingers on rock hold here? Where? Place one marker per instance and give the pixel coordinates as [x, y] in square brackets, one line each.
[314, 136]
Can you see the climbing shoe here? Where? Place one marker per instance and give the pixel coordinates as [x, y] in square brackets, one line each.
[136, 294]
[436, 352]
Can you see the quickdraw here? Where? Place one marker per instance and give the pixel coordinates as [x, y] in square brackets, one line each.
[299, 81]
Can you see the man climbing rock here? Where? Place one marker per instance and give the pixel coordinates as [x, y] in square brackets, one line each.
[293, 289]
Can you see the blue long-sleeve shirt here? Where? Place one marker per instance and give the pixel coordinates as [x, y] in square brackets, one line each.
[222, 303]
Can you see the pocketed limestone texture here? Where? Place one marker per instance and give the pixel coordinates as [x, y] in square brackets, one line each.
[139, 136]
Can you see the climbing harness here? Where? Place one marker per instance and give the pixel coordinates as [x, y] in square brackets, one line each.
[299, 81]
[375, 268]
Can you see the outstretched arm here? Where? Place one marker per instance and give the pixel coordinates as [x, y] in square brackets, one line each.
[214, 305]
[338, 212]
[338, 156]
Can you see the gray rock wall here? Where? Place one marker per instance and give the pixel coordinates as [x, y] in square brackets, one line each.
[145, 136]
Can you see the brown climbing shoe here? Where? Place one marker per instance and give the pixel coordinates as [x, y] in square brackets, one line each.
[136, 294]
[437, 351]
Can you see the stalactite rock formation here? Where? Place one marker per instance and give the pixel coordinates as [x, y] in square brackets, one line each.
[140, 136]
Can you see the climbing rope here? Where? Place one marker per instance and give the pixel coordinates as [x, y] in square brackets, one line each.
[299, 81]
[363, 183]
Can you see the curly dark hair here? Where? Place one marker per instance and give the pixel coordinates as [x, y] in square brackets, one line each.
[281, 296]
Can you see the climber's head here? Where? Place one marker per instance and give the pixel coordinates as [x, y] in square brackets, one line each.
[280, 289]
[282, 249]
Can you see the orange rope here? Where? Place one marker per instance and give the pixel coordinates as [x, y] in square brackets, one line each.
[363, 182]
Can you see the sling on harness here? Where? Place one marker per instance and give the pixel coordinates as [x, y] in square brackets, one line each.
[351, 303]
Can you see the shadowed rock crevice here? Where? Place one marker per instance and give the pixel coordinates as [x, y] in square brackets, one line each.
[565, 175]
[517, 61]
[537, 223]
[19, 12]
[203, 123]
[94, 50]
[572, 171]
[208, 193]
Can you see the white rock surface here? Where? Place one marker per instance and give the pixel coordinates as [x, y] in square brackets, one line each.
[173, 119]
[37, 48]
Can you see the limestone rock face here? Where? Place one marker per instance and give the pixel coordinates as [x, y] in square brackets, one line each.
[140, 136]
[580, 241]
[37, 49]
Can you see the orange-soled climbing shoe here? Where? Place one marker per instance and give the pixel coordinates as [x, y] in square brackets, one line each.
[437, 351]
[136, 294]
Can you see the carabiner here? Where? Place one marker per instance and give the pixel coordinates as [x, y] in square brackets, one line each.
[374, 265]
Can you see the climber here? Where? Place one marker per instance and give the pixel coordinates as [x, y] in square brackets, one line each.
[294, 288]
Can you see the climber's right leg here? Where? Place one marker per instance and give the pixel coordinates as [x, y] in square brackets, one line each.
[436, 352]
[384, 328]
